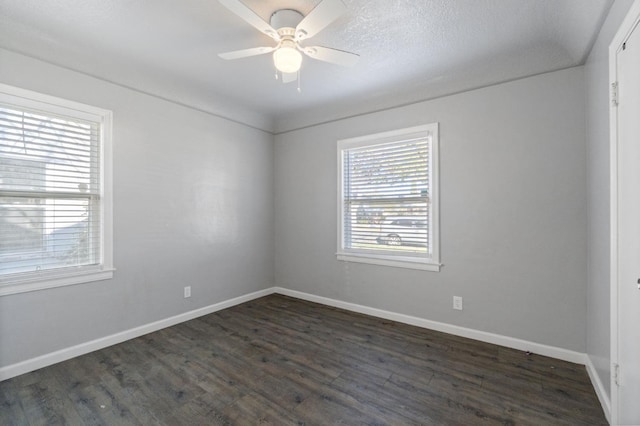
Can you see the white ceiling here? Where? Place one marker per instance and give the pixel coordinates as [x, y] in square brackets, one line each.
[410, 50]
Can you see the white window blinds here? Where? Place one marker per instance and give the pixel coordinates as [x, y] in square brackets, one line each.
[388, 194]
[49, 191]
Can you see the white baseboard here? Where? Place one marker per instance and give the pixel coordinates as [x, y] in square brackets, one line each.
[103, 342]
[510, 342]
[496, 339]
[26, 366]
[604, 399]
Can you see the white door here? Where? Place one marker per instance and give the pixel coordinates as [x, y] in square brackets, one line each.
[626, 392]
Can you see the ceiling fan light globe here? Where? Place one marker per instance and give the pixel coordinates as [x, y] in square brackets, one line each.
[287, 59]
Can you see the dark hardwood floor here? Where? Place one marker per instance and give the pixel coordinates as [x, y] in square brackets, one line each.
[278, 360]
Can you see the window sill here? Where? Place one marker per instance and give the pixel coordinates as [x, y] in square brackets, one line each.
[393, 261]
[50, 279]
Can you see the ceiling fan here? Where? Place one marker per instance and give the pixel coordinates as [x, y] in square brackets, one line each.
[289, 28]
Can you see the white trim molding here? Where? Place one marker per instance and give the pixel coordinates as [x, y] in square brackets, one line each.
[101, 267]
[46, 360]
[483, 336]
[397, 144]
[601, 392]
[628, 25]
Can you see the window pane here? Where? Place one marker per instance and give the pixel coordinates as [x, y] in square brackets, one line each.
[386, 197]
[39, 153]
[49, 191]
[44, 233]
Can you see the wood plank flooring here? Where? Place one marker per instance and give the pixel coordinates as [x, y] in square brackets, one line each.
[282, 361]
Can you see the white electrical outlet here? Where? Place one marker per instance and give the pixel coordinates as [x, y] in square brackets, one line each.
[187, 291]
[457, 303]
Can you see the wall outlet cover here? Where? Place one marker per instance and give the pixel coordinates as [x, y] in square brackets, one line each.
[457, 303]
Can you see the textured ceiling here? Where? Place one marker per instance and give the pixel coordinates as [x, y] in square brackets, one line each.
[410, 50]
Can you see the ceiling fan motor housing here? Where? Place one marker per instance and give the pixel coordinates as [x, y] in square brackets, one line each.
[285, 21]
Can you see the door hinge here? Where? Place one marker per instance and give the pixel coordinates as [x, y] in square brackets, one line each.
[614, 94]
[616, 374]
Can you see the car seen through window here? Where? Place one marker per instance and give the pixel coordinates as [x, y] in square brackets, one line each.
[397, 231]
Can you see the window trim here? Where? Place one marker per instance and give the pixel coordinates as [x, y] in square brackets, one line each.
[79, 274]
[431, 263]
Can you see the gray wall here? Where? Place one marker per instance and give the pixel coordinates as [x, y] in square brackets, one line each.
[513, 212]
[598, 301]
[193, 205]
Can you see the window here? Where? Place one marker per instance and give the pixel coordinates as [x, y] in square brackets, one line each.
[55, 192]
[388, 198]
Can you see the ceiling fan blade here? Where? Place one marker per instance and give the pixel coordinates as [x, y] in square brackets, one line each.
[239, 8]
[335, 56]
[289, 77]
[244, 53]
[324, 13]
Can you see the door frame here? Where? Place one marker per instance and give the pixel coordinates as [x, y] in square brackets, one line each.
[629, 23]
